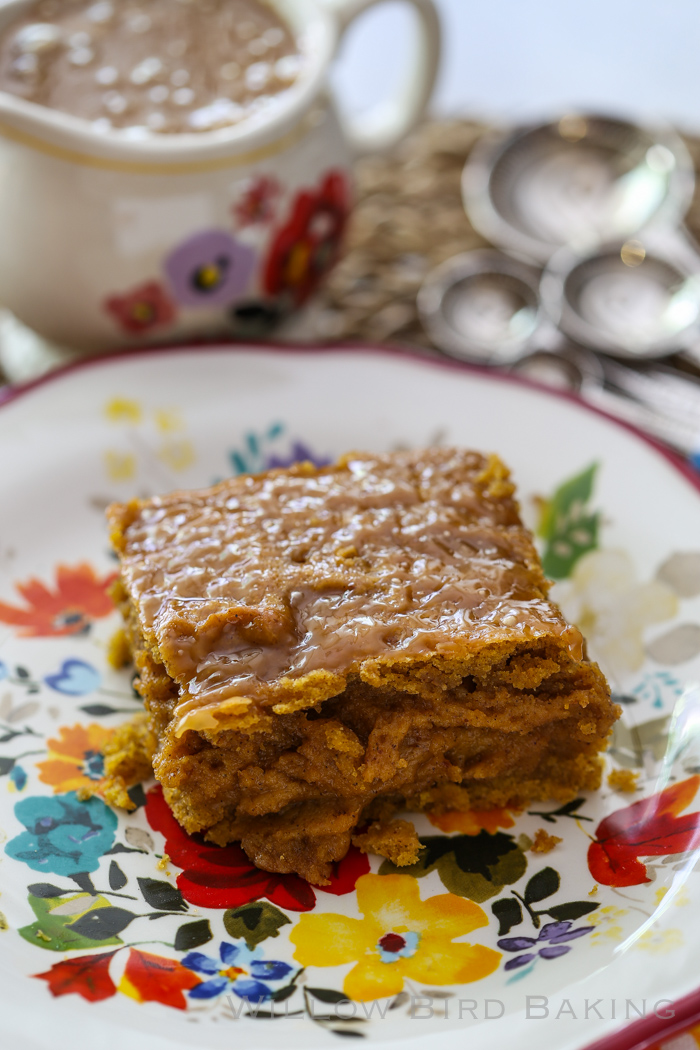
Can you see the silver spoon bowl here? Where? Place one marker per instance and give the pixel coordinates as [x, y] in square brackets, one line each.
[579, 181]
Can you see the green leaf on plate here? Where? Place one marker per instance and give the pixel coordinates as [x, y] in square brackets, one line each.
[573, 910]
[568, 529]
[542, 885]
[101, 923]
[57, 918]
[162, 895]
[473, 866]
[328, 995]
[117, 878]
[255, 922]
[509, 914]
[192, 935]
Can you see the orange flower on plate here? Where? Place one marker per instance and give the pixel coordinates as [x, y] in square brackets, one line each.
[399, 937]
[472, 821]
[79, 597]
[75, 758]
[155, 979]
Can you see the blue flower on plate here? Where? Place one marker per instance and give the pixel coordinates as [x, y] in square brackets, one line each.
[211, 268]
[238, 969]
[74, 678]
[19, 778]
[64, 834]
[552, 937]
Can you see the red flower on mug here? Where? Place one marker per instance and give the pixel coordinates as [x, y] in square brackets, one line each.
[80, 596]
[223, 877]
[257, 204]
[652, 827]
[307, 246]
[141, 309]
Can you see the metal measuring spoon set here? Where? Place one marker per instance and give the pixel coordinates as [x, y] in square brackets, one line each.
[596, 269]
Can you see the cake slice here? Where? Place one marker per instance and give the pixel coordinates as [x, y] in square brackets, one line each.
[320, 647]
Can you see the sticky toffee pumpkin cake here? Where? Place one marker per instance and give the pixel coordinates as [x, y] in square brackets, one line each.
[318, 648]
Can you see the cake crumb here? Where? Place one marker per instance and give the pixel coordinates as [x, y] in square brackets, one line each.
[623, 780]
[163, 862]
[594, 891]
[128, 755]
[118, 650]
[43, 936]
[4, 924]
[397, 841]
[86, 792]
[115, 792]
[543, 842]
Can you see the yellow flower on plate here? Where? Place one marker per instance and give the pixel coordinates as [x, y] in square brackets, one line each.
[178, 455]
[168, 420]
[607, 921]
[123, 410]
[680, 898]
[120, 466]
[660, 942]
[400, 936]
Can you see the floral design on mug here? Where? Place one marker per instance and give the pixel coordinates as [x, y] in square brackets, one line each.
[307, 246]
[258, 201]
[141, 309]
[210, 268]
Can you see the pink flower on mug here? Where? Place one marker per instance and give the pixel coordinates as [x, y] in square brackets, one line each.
[209, 269]
[307, 246]
[142, 308]
[257, 204]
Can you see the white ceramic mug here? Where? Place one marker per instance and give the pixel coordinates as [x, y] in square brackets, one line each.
[102, 239]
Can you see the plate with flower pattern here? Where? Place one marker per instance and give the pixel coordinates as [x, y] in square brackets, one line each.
[560, 923]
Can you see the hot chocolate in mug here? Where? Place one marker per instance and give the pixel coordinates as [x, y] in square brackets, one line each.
[107, 240]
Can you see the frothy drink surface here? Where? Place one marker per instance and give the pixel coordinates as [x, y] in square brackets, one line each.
[156, 66]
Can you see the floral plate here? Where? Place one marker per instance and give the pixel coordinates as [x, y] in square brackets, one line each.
[119, 929]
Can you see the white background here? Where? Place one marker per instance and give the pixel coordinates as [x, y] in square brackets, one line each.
[526, 58]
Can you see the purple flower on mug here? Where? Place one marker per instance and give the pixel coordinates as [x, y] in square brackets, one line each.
[209, 269]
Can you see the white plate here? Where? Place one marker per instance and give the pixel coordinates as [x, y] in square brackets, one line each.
[146, 422]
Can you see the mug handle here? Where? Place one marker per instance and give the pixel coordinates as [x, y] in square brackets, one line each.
[387, 122]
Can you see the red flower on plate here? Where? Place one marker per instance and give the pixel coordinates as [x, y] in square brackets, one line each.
[652, 827]
[88, 976]
[257, 204]
[307, 246]
[142, 308]
[223, 877]
[80, 596]
[154, 979]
